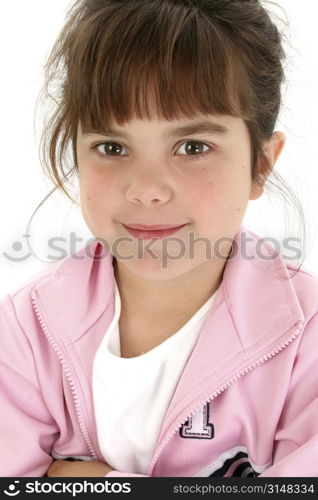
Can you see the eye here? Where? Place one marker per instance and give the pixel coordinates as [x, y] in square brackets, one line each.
[108, 149]
[195, 149]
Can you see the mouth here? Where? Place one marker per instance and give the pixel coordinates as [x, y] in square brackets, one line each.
[148, 232]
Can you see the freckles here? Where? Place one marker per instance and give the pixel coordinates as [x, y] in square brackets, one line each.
[88, 193]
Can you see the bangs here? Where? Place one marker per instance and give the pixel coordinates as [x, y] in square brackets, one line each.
[168, 66]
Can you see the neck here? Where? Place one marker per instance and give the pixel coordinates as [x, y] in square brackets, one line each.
[181, 296]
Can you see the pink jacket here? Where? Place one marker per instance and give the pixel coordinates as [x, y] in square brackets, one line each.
[246, 403]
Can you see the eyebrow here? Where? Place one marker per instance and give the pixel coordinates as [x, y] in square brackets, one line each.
[212, 128]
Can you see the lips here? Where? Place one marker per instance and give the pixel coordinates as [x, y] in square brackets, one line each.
[153, 228]
[148, 232]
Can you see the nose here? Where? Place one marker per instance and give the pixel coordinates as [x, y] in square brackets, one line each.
[148, 188]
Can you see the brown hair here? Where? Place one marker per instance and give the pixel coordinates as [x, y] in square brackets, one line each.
[211, 56]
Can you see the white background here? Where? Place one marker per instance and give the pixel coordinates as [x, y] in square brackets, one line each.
[27, 32]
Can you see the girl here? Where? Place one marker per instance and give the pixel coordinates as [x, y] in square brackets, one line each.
[177, 343]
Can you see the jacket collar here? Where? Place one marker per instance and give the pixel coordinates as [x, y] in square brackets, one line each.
[78, 290]
[255, 288]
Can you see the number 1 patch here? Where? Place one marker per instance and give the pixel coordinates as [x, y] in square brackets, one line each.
[198, 426]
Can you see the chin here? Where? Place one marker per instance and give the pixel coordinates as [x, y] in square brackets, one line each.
[157, 270]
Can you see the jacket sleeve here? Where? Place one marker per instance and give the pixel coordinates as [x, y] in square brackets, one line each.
[27, 429]
[295, 451]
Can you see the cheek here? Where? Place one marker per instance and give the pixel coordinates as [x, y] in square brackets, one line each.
[95, 190]
[215, 200]
[96, 196]
[204, 193]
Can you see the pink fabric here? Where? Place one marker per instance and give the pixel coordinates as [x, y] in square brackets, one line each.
[253, 375]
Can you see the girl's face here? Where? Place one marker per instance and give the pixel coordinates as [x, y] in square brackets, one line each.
[155, 173]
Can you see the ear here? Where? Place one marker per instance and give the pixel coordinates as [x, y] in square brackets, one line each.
[271, 151]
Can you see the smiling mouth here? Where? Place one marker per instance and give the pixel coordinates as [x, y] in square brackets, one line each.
[152, 233]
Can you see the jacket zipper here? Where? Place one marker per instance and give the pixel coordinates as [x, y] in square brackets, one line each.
[69, 378]
[192, 409]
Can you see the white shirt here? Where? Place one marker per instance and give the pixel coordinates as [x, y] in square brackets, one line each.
[132, 395]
